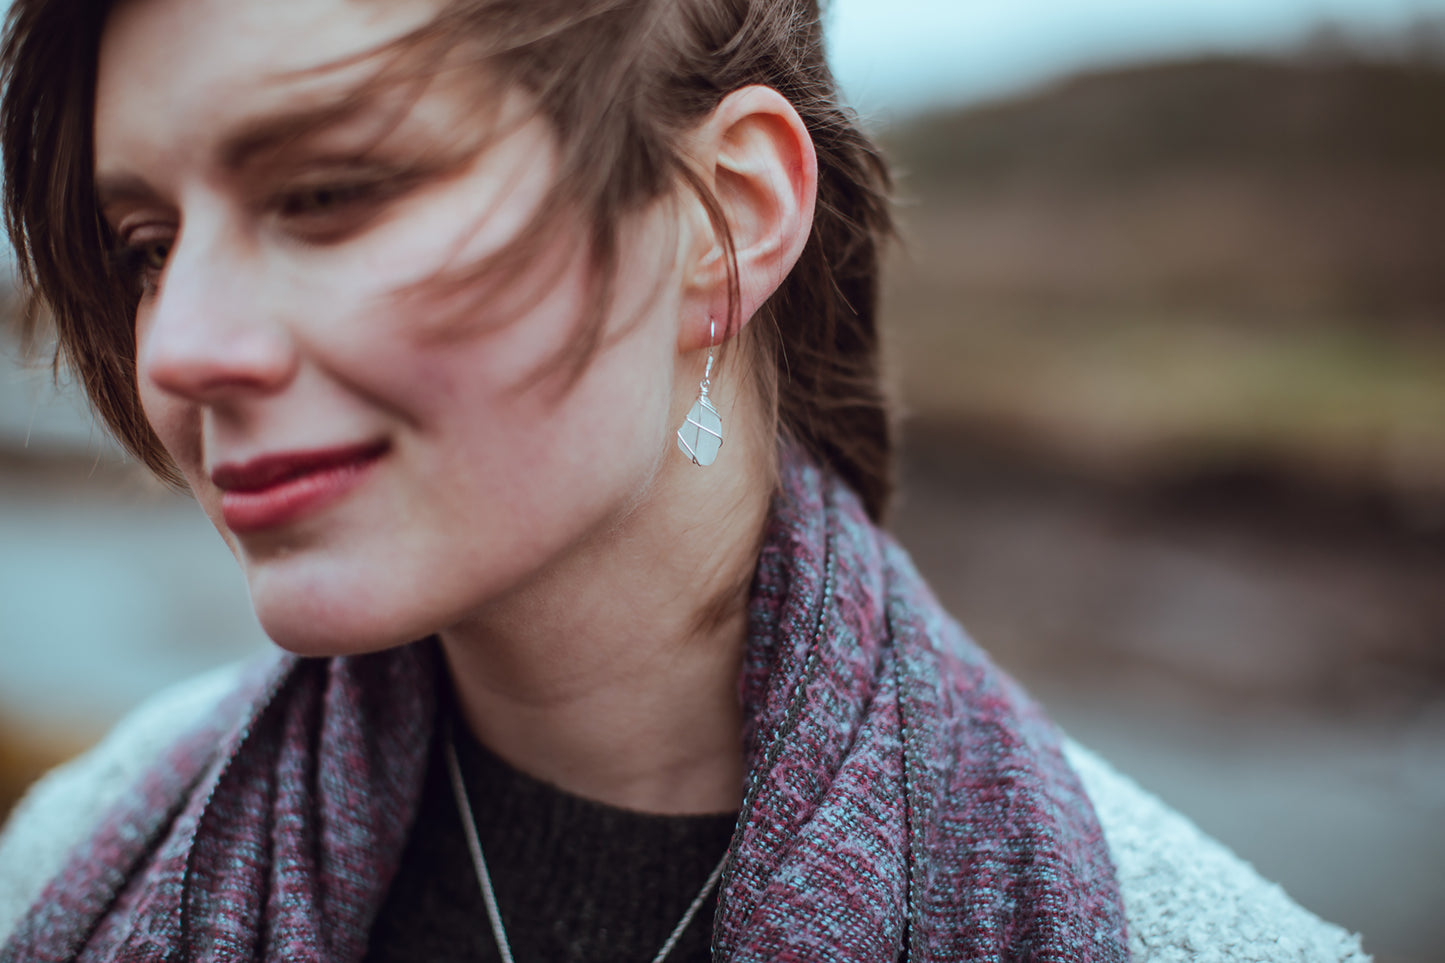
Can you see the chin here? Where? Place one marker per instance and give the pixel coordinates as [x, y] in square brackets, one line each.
[308, 623]
[304, 639]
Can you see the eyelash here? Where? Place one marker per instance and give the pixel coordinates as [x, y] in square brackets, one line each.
[331, 210]
[132, 259]
[323, 213]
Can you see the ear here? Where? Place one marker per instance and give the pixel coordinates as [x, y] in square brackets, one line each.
[756, 156]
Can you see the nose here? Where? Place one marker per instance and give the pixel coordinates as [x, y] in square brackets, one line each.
[209, 335]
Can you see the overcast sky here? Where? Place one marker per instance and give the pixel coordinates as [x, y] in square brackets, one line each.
[892, 55]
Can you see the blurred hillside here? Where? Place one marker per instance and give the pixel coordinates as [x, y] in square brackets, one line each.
[1220, 272]
[1171, 341]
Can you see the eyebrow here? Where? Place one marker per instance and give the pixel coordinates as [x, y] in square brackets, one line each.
[256, 137]
[121, 189]
[275, 131]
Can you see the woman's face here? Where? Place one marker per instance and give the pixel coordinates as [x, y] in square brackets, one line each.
[381, 467]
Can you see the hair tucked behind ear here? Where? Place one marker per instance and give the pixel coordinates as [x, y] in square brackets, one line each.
[820, 329]
[622, 82]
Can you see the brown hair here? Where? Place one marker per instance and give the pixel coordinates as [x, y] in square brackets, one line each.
[620, 81]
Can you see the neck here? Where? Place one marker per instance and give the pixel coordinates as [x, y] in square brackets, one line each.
[613, 674]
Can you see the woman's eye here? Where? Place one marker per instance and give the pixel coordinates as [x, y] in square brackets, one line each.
[324, 199]
[153, 256]
[332, 211]
[143, 261]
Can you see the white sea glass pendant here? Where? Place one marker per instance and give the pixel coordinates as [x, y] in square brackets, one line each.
[700, 436]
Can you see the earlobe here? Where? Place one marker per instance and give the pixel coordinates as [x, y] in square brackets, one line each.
[755, 156]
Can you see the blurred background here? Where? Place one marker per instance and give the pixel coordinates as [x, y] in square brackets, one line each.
[1167, 326]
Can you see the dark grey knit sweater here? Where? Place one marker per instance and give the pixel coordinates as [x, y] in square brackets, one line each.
[575, 880]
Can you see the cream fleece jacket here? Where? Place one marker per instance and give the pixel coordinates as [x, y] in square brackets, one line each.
[1188, 899]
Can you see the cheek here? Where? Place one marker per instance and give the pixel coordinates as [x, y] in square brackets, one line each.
[495, 352]
[178, 426]
[508, 406]
[176, 423]
[180, 433]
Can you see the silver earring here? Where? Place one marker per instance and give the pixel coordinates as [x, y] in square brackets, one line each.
[700, 436]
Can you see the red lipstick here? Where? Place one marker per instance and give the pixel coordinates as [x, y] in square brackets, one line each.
[274, 490]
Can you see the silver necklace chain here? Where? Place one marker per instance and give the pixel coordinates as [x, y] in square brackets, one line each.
[489, 895]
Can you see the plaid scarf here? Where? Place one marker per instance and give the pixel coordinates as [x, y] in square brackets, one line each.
[904, 799]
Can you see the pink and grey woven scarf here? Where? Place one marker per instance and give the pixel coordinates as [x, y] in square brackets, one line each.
[905, 799]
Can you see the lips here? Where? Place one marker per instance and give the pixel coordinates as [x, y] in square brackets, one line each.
[280, 489]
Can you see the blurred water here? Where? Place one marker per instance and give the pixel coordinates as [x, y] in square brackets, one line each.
[105, 599]
[40, 418]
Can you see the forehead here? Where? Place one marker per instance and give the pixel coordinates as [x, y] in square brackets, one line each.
[168, 68]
